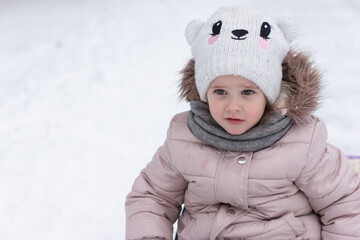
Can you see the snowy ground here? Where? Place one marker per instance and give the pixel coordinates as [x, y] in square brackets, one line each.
[87, 89]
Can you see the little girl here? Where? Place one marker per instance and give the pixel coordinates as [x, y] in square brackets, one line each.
[248, 161]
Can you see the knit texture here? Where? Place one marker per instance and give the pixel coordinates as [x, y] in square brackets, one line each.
[240, 41]
[204, 127]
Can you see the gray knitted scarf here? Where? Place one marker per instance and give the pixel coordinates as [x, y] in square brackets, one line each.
[204, 127]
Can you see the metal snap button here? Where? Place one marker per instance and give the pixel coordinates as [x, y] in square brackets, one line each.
[230, 212]
[241, 160]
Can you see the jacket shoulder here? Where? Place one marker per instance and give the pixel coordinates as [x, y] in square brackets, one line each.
[179, 130]
[313, 130]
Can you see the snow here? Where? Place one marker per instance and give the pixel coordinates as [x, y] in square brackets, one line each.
[87, 89]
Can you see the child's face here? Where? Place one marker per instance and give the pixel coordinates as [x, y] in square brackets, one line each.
[235, 103]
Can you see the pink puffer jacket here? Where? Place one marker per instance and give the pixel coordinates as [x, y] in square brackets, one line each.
[299, 188]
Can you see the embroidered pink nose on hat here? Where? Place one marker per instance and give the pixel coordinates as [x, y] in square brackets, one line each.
[240, 41]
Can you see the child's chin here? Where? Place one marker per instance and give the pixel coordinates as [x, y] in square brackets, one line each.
[235, 131]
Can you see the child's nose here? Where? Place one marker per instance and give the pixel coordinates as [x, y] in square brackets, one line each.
[234, 105]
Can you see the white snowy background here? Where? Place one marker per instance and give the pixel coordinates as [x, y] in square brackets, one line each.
[87, 89]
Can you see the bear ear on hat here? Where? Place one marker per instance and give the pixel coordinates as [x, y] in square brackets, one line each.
[289, 29]
[192, 30]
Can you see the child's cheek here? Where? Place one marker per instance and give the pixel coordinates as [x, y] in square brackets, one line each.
[212, 39]
[264, 43]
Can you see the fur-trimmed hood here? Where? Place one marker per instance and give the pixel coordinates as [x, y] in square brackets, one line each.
[300, 88]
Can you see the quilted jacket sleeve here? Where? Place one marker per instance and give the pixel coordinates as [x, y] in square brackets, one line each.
[332, 187]
[155, 201]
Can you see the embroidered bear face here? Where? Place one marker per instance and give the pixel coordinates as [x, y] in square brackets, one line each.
[241, 34]
[240, 22]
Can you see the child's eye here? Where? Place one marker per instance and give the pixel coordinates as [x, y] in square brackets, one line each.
[220, 91]
[248, 92]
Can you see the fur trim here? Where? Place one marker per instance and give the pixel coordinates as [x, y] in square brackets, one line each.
[301, 87]
[187, 84]
[300, 91]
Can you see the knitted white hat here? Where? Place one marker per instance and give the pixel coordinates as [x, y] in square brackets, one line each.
[243, 42]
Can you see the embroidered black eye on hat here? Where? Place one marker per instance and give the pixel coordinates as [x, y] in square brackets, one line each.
[240, 41]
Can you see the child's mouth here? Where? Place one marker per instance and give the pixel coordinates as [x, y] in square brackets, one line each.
[234, 121]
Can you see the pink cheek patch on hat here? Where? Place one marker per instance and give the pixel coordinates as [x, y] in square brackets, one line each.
[212, 39]
[264, 43]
